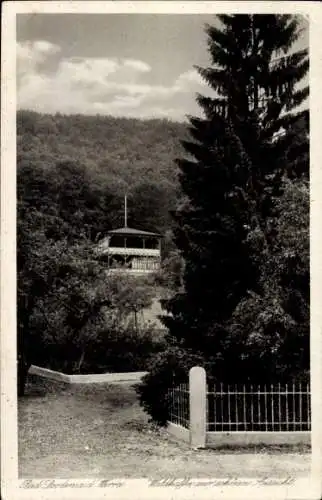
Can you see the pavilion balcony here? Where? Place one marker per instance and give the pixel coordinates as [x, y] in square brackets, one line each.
[135, 272]
[141, 252]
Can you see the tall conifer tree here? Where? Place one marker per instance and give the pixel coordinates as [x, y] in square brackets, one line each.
[238, 153]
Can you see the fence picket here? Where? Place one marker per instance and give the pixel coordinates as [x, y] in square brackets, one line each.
[286, 397]
[252, 408]
[308, 405]
[265, 404]
[229, 419]
[279, 407]
[258, 406]
[215, 406]
[222, 407]
[244, 406]
[272, 407]
[293, 407]
[300, 405]
[236, 407]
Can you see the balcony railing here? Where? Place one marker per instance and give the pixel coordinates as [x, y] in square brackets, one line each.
[142, 252]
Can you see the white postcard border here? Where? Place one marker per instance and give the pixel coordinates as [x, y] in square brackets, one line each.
[141, 488]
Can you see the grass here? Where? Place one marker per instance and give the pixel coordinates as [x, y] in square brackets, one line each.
[99, 430]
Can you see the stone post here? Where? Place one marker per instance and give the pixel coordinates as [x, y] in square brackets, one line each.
[198, 405]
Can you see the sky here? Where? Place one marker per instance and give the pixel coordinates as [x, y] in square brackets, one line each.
[134, 65]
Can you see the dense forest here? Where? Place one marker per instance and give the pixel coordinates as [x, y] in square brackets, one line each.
[101, 159]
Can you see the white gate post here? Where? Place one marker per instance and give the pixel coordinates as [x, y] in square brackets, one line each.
[198, 405]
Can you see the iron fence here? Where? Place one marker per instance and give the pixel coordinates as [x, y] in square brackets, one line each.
[229, 408]
[178, 405]
[259, 408]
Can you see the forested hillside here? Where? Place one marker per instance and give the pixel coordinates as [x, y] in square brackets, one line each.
[79, 168]
[72, 175]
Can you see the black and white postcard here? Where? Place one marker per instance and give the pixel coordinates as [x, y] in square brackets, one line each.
[161, 250]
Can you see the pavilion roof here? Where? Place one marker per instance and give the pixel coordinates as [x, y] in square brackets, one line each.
[128, 231]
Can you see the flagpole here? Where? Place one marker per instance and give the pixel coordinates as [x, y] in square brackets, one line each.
[125, 211]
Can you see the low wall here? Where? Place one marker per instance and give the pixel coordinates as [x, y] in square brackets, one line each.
[131, 377]
[243, 439]
[179, 432]
[251, 438]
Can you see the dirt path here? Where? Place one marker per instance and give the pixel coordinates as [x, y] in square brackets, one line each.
[101, 431]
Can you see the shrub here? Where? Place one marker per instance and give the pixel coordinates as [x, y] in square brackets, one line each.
[111, 350]
[169, 368]
[123, 351]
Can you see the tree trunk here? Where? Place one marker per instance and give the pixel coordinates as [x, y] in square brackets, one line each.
[136, 322]
[23, 368]
[80, 361]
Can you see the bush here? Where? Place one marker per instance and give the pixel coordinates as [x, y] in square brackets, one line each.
[122, 350]
[169, 368]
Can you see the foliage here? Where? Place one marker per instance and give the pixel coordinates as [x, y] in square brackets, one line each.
[167, 369]
[129, 296]
[268, 333]
[71, 316]
[123, 349]
[80, 312]
[244, 302]
[72, 174]
[231, 176]
[74, 202]
[272, 328]
[60, 296]
[81, 167]
[170, 275]
[151, 202]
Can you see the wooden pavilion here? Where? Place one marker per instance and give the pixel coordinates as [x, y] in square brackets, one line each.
[131, 250]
